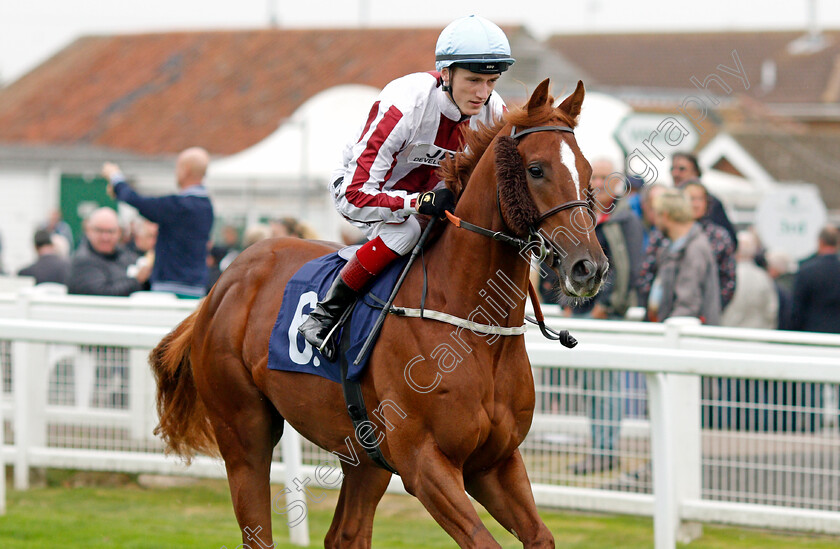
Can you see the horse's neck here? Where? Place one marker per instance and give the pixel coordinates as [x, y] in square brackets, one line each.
[480, 271]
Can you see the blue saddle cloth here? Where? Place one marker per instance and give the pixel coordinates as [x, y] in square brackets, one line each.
[289, 351]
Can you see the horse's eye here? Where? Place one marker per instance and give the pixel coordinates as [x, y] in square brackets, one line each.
[535, 172]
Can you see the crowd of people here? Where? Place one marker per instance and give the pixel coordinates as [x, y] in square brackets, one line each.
[674, 252]
[168, 247]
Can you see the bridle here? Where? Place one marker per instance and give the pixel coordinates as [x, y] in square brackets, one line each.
[545, 247]
[533, 229]
[516, 136]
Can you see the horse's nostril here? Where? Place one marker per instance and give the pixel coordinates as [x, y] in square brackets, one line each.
[602, 270]
[583, 270]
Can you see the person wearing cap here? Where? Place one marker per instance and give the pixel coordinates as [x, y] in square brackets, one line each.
[388, 170]
[50, 265]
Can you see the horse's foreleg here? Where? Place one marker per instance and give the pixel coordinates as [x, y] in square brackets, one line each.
[361, 490]
[505, 492]
[439, 486]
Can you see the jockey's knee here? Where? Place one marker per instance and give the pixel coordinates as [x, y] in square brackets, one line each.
[401, 238]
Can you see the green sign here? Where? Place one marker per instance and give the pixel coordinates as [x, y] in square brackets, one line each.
[79, 196]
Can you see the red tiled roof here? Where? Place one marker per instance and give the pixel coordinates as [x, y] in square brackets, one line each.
[225, 91]
[668, 61]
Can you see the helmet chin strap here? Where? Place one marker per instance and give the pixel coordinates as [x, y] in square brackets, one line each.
[446, 86]
[448, 89]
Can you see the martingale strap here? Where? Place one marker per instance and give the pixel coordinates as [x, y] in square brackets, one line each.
[563, 336]
[458, 321]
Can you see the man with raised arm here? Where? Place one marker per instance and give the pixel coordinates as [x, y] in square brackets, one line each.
[184, 223]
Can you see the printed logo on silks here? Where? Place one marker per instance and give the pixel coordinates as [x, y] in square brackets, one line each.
[296, 354]
[430, 155]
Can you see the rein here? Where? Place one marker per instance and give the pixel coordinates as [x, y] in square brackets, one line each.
[563, 336]
[495, 235]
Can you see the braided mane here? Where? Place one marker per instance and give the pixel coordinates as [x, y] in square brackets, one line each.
[456, 171]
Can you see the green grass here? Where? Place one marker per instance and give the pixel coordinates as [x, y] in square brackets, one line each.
[69, 513]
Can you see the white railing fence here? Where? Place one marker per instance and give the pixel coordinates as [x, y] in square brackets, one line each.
[719, 455]
[699, 424]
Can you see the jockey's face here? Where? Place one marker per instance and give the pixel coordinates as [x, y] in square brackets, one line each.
[470, 90]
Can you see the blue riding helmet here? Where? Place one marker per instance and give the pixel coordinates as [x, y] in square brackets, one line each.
[474, 43]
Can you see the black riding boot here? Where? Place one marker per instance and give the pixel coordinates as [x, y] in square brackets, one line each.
[325, 316]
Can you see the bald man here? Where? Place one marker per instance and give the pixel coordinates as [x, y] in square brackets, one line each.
[184, 223]
[100, 265]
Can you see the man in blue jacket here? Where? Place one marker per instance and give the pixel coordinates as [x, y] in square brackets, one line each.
[184, 219]
[816, 294]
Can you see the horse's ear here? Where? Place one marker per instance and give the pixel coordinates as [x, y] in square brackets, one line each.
[539, 97]
[571, 105]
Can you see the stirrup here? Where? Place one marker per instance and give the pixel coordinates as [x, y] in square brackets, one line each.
[329, 347]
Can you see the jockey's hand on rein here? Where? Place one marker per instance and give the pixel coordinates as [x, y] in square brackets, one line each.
[436, 203]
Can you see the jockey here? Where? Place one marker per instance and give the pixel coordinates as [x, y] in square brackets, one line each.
[388, 172]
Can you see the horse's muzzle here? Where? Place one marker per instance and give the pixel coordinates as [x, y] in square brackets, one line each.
[585, 278]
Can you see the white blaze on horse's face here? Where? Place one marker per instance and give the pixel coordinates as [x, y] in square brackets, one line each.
[567, 157]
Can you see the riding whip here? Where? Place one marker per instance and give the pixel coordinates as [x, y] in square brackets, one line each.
[381, 319]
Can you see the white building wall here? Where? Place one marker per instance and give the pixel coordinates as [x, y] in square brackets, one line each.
[287, 173]
[27, 197]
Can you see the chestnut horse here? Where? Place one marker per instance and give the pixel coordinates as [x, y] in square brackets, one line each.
[455, 404]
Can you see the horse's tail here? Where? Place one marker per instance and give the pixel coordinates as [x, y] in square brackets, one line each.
[184, 424]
